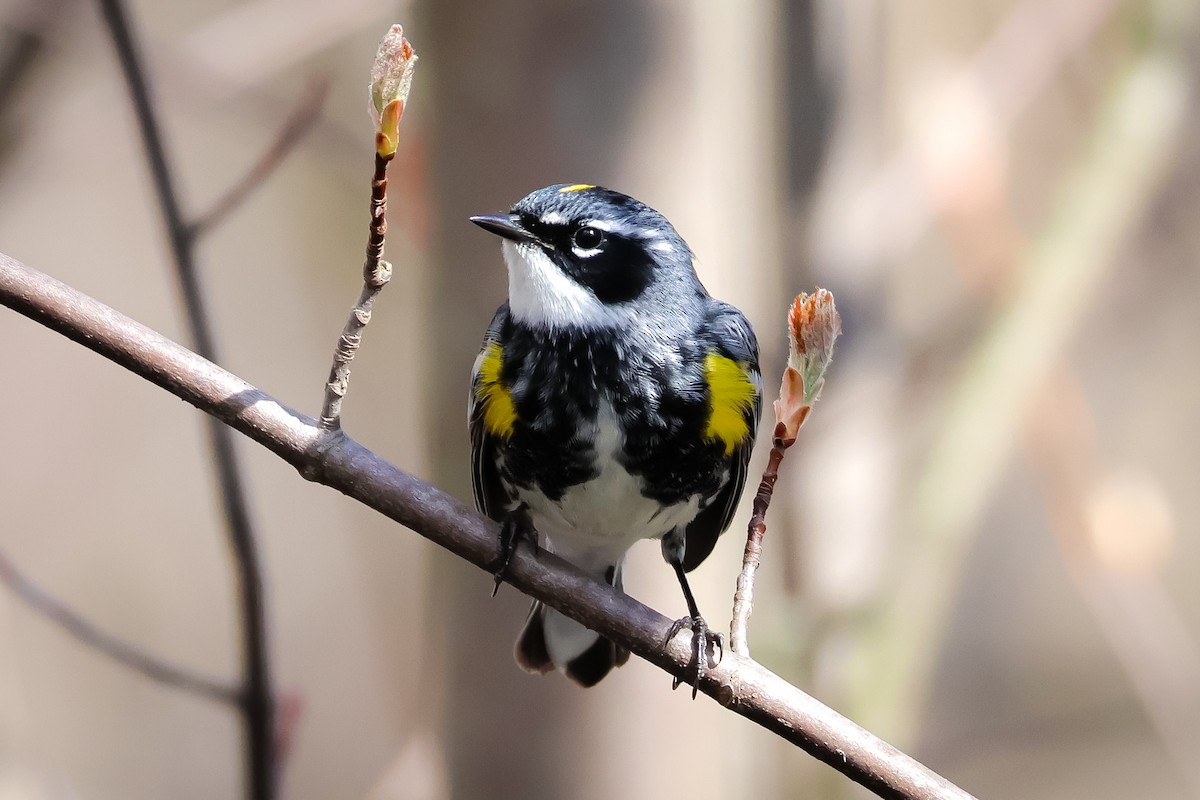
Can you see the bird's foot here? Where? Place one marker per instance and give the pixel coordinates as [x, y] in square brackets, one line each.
[517, 526]
[708, 648]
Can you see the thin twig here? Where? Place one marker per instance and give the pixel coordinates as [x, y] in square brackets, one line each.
[376, 274]
[391, 82]
[257, 702]
[743, 596]
[299, 122]
[814, 326]
[119, 650]
[738, 683]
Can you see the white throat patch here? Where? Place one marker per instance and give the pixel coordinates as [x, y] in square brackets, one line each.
[540, 293]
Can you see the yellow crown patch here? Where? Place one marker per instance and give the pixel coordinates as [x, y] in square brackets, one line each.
[576, 187]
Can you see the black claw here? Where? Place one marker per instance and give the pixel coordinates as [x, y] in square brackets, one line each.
[703, 640]
[516, 526]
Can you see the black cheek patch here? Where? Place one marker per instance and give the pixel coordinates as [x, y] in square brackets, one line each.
[618, 273]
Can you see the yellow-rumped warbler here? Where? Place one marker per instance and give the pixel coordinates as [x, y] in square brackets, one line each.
[613, 400]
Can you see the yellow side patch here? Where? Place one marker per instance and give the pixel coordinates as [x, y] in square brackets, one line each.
[576, 187]
[499, 411]
[731, 396]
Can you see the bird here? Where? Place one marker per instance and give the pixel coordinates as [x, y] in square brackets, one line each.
[613, 400]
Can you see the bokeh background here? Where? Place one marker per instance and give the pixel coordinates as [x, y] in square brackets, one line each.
[982, 548]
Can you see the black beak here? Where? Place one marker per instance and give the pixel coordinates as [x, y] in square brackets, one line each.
[506, 225]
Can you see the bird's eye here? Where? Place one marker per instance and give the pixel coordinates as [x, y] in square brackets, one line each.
[588, 238]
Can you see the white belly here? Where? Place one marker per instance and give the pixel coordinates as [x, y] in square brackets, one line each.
[595, 522]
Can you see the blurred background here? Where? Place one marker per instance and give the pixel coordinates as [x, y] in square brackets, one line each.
[981, 548]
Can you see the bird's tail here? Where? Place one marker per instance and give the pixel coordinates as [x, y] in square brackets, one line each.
[551, 641]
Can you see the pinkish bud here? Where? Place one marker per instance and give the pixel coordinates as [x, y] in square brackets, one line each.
[790, 408]
[391, 80]
[813, 327]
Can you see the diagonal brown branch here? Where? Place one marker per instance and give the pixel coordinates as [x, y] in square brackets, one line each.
[333, 459]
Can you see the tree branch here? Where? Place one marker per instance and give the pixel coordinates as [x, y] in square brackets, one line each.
[334, 459]
[258, 707]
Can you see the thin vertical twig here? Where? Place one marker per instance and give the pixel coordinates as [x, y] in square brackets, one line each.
[391, 82]
[376, 274]
[257, 704]
[813, 329]
[743, 596]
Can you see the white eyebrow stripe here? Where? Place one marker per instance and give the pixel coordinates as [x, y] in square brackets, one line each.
[645, 234]
[553, 218]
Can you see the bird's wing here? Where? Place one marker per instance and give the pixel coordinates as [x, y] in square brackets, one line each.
[731, 337]
[490, 495]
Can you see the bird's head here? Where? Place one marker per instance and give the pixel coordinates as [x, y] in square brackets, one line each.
[585, 256]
